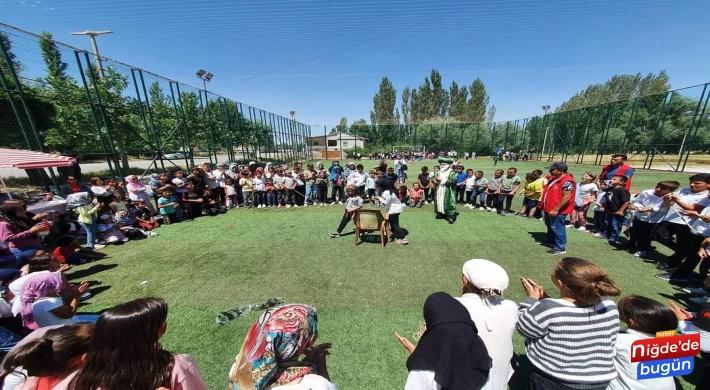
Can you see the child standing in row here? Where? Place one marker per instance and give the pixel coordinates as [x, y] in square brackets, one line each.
[492, 191]
[370, 185]
[394, 208]
[424, 183]
[478, 197]
[270, 193]
[352, 204]
[531, 195]
[617, 200]
[649, 211]
[586, 196]
[167, 207]
[322, 186]
[231, 193]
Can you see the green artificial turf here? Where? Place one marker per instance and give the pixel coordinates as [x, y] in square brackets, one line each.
[363, 294]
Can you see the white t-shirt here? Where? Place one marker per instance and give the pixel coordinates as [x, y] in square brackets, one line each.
[495, 321]
[649, 199]
[586, 190]
[258, 183]
[178, 181]
[219, 177]
[470, 182]
[699, 226]
[392, 203]
[308, 382]
[42, 311]
[16, 288]
[687, 197]
[626, 379]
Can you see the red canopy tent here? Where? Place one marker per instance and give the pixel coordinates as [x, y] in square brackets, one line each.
[28, 159]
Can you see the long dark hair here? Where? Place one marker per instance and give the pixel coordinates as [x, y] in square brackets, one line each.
[125, 353]
[51, 355]
[8, 213]
[385, 184]
[649, 316]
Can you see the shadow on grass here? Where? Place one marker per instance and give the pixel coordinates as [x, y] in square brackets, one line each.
[538, 236]
[94, 269]
[701, 368]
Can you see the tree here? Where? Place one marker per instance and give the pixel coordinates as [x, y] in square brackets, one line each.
[342, 127]
[56, 68]
[14, 63]
[479, 102]
[459, 102]
[439, 95]
[406, 105]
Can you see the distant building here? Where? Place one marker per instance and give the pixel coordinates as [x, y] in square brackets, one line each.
[332, 145]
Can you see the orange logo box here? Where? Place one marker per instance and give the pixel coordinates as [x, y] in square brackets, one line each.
[666, 333]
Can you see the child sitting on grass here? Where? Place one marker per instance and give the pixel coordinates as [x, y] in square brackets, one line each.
[68, 251]
[352, 204]
[403, 194]
[143, 217]
[415, 195]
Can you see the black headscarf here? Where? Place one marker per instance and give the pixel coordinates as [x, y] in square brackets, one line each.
[450, 346]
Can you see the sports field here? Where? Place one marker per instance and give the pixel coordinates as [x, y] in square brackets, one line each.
[363, 294]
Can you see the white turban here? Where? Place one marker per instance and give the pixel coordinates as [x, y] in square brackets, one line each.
[486, 275]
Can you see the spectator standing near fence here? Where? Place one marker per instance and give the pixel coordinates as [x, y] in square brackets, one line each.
[617, 166]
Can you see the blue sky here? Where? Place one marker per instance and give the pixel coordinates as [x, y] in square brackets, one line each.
[325, 58]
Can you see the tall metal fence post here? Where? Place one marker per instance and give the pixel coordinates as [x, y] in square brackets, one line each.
[658, 131]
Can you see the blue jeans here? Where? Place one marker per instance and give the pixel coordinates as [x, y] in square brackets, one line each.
[91, 234]
[613, 226]
[556, 232]
[479, 195]
[311, 193]
[24, 255]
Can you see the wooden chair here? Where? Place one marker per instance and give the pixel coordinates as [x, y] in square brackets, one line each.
[369, 221]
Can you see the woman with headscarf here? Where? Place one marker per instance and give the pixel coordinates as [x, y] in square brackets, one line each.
[450, 355]
[43, 306]
[269, 356]
[137, 191]
[19, 231]
[483, 284]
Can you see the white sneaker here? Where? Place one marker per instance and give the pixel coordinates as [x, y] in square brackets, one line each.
[640, 254]
[340, 202]
[481, 208]
[426, 202]
[99, 246]
[569, 226]
[492, 210]
[696, 291]
[582, 229]
[305, 205]
[288, 206]
[296, 206]
[322, 204]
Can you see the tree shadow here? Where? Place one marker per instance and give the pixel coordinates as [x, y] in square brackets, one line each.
[94, 269]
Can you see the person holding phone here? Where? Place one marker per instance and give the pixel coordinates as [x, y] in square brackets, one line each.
[21, 232]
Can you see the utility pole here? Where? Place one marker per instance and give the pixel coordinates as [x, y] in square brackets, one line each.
[92, 35]
[544, 122]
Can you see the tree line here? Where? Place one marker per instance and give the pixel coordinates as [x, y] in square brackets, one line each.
[100, 115]
[627, 113]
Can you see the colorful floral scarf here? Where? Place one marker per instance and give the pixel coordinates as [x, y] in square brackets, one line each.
[280, 335]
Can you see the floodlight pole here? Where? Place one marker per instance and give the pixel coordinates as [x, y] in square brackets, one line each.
[544, 141]
[92, 35]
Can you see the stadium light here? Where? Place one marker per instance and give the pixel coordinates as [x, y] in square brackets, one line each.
[205, 76]
[92, 35]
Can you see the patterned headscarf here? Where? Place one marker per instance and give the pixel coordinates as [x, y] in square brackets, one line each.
[135, 183]
[34, 288]
[280, 335]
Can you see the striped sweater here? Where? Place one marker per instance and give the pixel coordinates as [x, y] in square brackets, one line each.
[573, 344]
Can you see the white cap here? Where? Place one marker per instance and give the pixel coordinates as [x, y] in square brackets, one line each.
[485, 274]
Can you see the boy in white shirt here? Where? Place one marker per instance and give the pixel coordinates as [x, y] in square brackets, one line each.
[352, 204]
[649, 210]
[692, 198]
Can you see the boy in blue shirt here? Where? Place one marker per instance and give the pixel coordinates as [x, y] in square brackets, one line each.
[461, 185]
[167, 207]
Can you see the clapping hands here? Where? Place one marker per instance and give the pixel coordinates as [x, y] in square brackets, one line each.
[532, 289]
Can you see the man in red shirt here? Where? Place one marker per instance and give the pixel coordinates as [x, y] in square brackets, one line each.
[557, 202]
[617, 166]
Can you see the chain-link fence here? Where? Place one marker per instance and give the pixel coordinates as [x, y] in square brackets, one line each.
[668, 131]
[119, 120]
